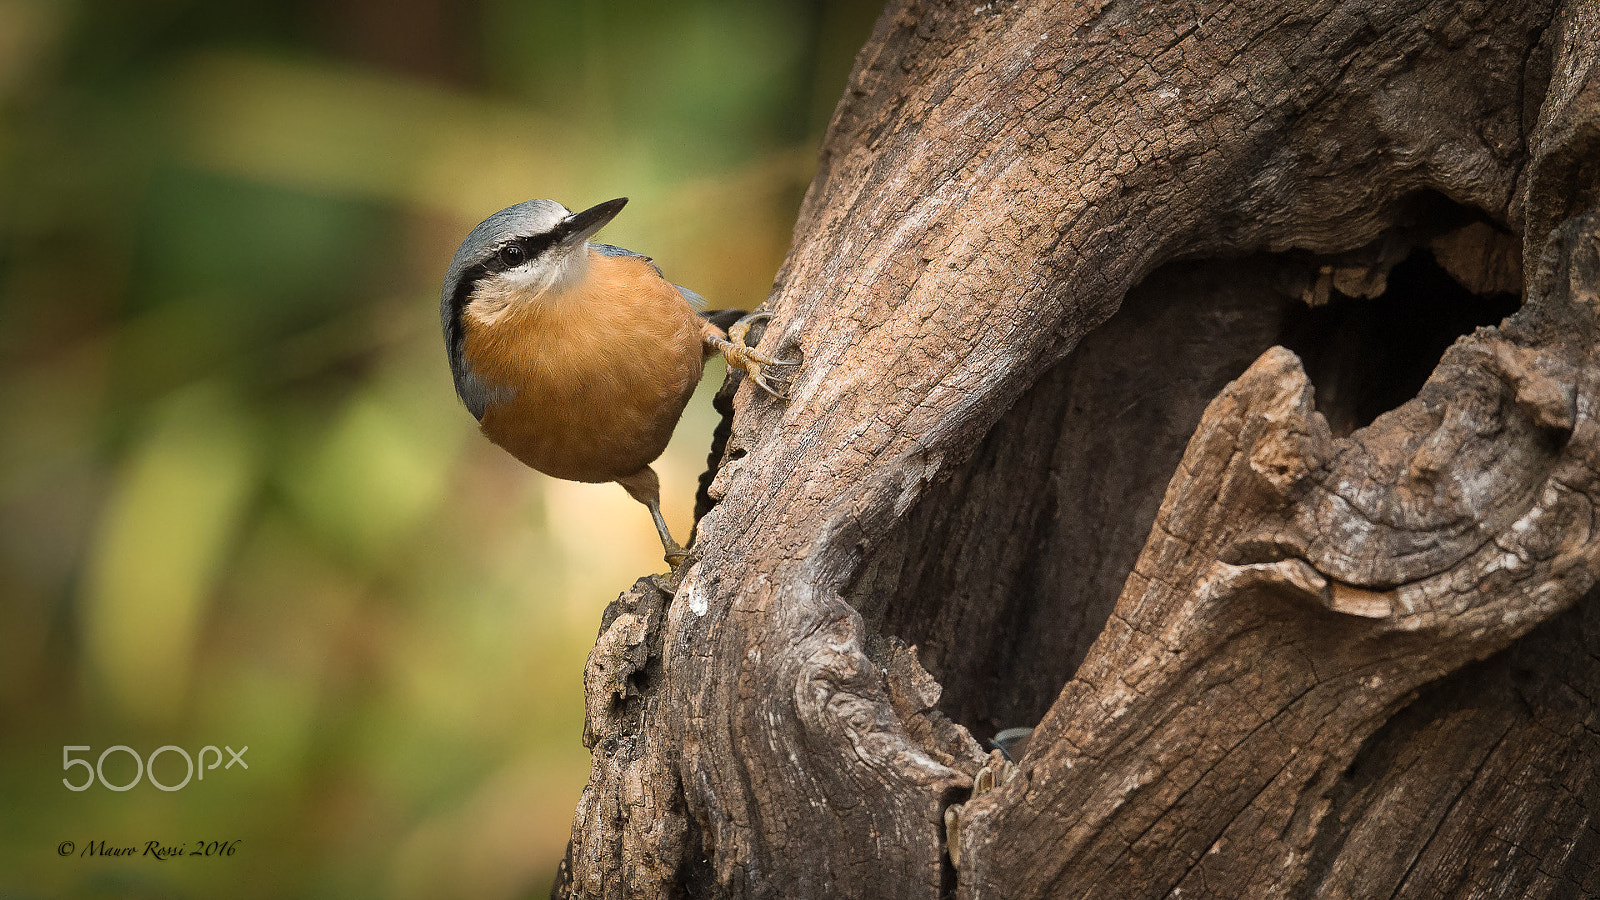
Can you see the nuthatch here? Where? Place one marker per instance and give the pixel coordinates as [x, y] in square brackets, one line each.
[1013, 742]
[578, 358]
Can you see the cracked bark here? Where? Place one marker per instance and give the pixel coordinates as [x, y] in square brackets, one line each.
[1123, 414]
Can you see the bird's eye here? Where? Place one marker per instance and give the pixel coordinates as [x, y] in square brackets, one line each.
[511, 255]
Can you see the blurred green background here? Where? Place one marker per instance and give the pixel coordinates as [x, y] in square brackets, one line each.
[239, 502]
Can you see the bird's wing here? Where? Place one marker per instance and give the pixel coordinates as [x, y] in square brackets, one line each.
[695, 300]
[614, 250]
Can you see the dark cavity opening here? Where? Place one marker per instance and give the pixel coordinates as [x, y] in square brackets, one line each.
[1005, 572]
[1366, 356]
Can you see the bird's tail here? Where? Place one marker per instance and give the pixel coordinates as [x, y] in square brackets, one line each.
[723, 318]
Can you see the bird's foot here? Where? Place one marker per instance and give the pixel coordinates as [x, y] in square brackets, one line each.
[676, 555]
[680, 560]
[747, 358]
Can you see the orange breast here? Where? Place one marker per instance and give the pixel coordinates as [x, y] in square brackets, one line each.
[596, 377]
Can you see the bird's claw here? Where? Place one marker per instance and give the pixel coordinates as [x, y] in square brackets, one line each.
[676, 556]
[680, 560]
[754, 363]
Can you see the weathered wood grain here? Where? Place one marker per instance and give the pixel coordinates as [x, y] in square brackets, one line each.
[957, 469]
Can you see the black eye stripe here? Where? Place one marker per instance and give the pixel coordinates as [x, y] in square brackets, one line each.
[506, 257]
[535, 246]
[532, 247]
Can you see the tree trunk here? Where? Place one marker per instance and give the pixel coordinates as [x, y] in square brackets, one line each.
[1303, 622]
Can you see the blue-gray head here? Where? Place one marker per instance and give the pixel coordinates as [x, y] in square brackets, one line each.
[522, 250]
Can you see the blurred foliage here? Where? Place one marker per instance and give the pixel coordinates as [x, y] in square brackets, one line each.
[239, 503]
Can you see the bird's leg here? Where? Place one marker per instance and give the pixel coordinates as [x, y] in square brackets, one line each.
[645, 487]
[741, 356]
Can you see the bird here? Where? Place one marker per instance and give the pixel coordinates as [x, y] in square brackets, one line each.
[1013, 742]
[578, 358]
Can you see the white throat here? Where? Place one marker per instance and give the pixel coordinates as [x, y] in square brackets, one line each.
[544, 281]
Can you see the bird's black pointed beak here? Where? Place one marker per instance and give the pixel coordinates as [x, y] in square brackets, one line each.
[580, 226]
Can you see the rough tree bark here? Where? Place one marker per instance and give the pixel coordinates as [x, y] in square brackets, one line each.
[1303, 622]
